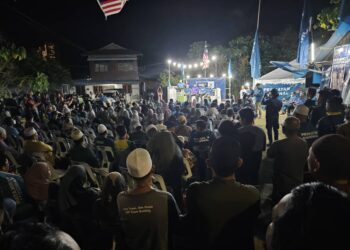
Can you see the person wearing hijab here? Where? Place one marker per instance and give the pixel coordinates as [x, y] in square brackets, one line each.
[76, 200]
[106, 210]
[168, 160]
[37, 181]
[75, 195]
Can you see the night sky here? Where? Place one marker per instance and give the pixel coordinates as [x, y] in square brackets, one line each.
[156, 28]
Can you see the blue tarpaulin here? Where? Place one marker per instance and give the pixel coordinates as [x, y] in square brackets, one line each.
[284, 89]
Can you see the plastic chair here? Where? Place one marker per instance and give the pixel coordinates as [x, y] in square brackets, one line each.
[62, 147]
[107, 155]
[158, 181]
[13, 160]
[95, 175]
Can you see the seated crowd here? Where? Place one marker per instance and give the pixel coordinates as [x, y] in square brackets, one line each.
[77, 173]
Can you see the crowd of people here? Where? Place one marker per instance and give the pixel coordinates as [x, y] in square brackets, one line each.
[77, 173]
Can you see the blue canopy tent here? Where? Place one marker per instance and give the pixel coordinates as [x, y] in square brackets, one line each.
[288, 74]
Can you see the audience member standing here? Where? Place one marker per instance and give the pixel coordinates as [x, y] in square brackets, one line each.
[148, 216]
[335, 117]
[222, 212]
[253, 143]
[289, 156]
[329, 159]
[273, 107]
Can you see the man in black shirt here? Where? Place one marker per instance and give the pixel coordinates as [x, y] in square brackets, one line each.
[200, 142]
[273, 107]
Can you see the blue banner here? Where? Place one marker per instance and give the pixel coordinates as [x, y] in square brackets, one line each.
[304, 36]
[201, 86]
[255, 62]
[284, 89]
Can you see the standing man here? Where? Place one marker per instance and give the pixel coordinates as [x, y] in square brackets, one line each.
[148, 216]
[289, 156]
[259, 95]
[273, 107]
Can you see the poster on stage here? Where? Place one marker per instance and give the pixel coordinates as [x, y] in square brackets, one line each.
[206, 86]
[284, 89]
[340, 76]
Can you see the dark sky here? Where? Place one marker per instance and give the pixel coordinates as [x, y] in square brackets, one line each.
[156, 28]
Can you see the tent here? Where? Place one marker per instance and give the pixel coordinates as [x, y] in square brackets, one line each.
[282, 78]
[284, 81]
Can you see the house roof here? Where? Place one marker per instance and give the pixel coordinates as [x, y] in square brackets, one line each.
[113, 49]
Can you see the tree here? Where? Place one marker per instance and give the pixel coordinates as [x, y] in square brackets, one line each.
[55, 72]
[327, 19]
[196, 50]
[37, 83]
[9, 55]
[174, 79]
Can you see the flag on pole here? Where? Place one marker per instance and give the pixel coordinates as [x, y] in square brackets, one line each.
[255, 62]
[304, 36]
[205, 57]
[111, 7]
[344, 10]
[229, 69]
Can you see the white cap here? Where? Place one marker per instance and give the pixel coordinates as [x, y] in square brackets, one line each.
[3, 132]
[301, 110]
[8, 114]
[76, 134]
[101, 128]
[139, 163]
[29, 132]
[151, 126]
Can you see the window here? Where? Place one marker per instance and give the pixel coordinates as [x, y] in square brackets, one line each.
[125, 66]
[101, 67]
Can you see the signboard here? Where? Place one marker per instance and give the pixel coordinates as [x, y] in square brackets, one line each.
[340, 76]
[284, 89]
[206, 86]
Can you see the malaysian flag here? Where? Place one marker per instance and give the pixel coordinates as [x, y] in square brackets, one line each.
[205, 57]
[110, 7]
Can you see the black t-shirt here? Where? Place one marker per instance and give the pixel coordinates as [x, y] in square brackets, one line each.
[329, 124]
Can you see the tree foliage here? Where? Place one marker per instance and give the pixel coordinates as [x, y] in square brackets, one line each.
[327, 19]
[22, 70]
[174, 78]
[37, 83]
[56, 73]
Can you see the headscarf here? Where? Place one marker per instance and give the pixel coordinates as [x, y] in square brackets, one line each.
[114, 183]
[163, 149]
[37, 179]
[75, 178]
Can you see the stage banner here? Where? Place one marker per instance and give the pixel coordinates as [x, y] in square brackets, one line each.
[205, 86]
[284, 89]
[340, 77]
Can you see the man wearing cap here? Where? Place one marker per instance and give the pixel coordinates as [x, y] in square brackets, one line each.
[307, 131]
[289, 156]
[148, 216]
[102, 138]
[79, 153]
[32, 145]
